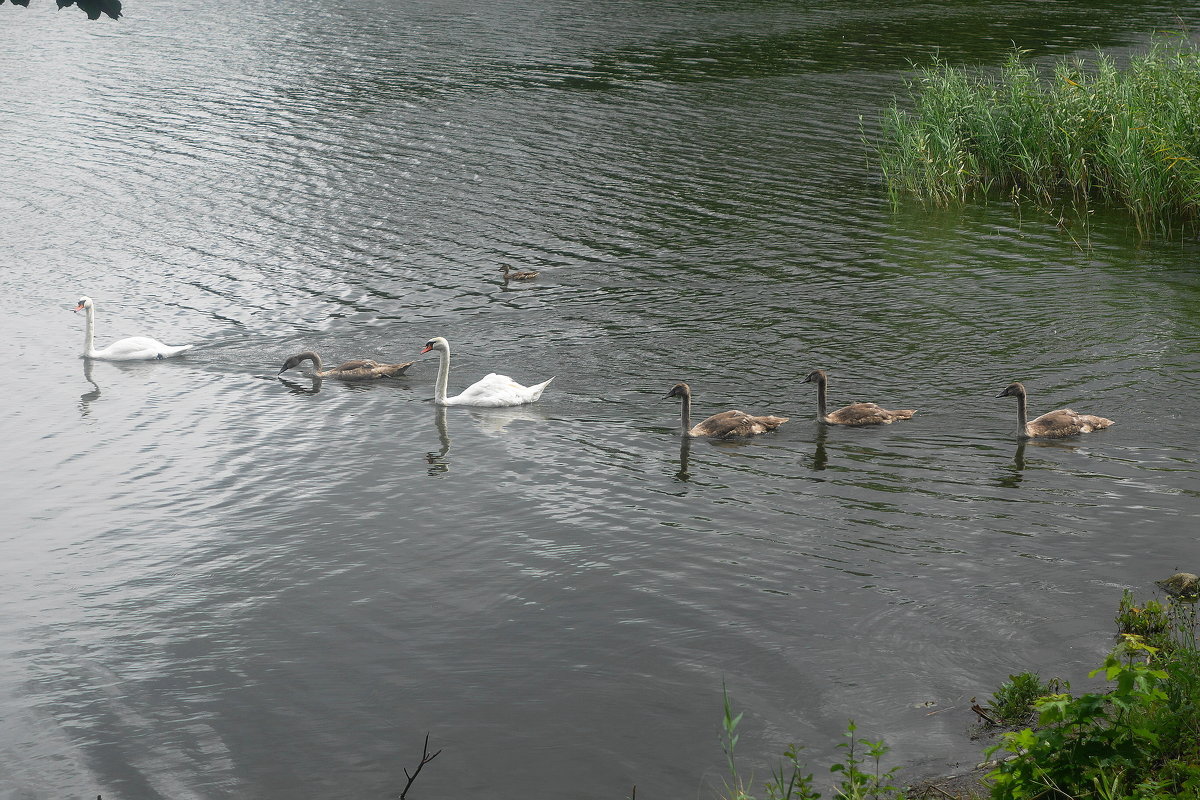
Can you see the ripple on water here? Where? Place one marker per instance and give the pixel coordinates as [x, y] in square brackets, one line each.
[212, 566]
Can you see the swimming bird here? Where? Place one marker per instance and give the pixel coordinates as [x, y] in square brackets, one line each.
[360, 369]
[854, 414]
[1055, 424]
[490, 391]
[135, 348]
[724, 425]
[517, 276]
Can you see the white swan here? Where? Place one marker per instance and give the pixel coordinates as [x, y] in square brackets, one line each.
[135, 348]
[492, 391]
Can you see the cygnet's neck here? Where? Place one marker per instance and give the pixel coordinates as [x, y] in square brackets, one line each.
[1022, 413]
[686, 405]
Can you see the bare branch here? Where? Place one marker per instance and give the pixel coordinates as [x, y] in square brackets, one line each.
[425, 759]
[983, 714]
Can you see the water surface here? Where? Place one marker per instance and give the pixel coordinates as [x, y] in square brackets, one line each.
[223, 584]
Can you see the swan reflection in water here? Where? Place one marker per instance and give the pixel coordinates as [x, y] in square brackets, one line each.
[684, 473]
[820, 459]
[1013, 473]
[685, 451]
[438, 463]
[490, 422]
[86, 399]
[313, 383]
[298, 387]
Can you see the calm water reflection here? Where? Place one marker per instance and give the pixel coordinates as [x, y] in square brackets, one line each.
[223, 583]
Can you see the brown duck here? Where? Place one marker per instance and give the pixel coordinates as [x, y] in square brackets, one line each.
[725, 425]
[1056, 424]
[360, 369]
[856, 413]
[518, 276]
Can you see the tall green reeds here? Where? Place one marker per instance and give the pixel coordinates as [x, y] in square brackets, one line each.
[1080, 130]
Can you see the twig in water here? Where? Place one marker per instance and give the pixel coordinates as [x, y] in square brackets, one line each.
[942, 792]
[425, 759]
[978, 709]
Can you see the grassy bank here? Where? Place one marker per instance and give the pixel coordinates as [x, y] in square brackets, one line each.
[1082, 131]
[1140, 740]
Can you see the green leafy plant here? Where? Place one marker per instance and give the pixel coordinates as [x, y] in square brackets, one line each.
[1013, 702]
[862, 775]
[858, 783]
[788, 780]
[1091, 745]
[1149, 620]
[729, 740]
[1138, 741]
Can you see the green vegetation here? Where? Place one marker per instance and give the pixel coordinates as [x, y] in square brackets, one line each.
[1138, 741]
[862, 774]
[1078, 131]
[1151, 621]
[1014, 702]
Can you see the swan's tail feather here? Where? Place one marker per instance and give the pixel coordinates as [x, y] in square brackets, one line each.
[537, 389]
[395, 370]
[1095, 422]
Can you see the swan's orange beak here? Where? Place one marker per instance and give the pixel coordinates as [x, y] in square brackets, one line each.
[79, 307]
[423, 352]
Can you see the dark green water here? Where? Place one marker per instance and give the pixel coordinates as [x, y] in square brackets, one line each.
[221, 585]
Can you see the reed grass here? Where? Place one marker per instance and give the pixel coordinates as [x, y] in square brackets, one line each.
[1084, 131]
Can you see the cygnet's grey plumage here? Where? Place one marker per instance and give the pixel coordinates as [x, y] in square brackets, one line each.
[725, 425]
[359, 369]
[1057, 424]
[854, 414]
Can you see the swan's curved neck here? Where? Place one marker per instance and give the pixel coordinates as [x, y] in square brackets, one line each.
[686, 405]
[443, 378]
[89, 337]
[318, 366]
[1022, 413]
[821, 399]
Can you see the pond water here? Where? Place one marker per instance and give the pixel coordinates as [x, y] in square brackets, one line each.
[221, 584]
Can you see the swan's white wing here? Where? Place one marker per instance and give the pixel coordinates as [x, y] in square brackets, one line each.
[497, 390]
[139, 348]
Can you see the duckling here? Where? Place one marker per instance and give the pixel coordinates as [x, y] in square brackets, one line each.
[854, 414]
[725, 425]
[517, 276]
[361, 369]
[1056, 424]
